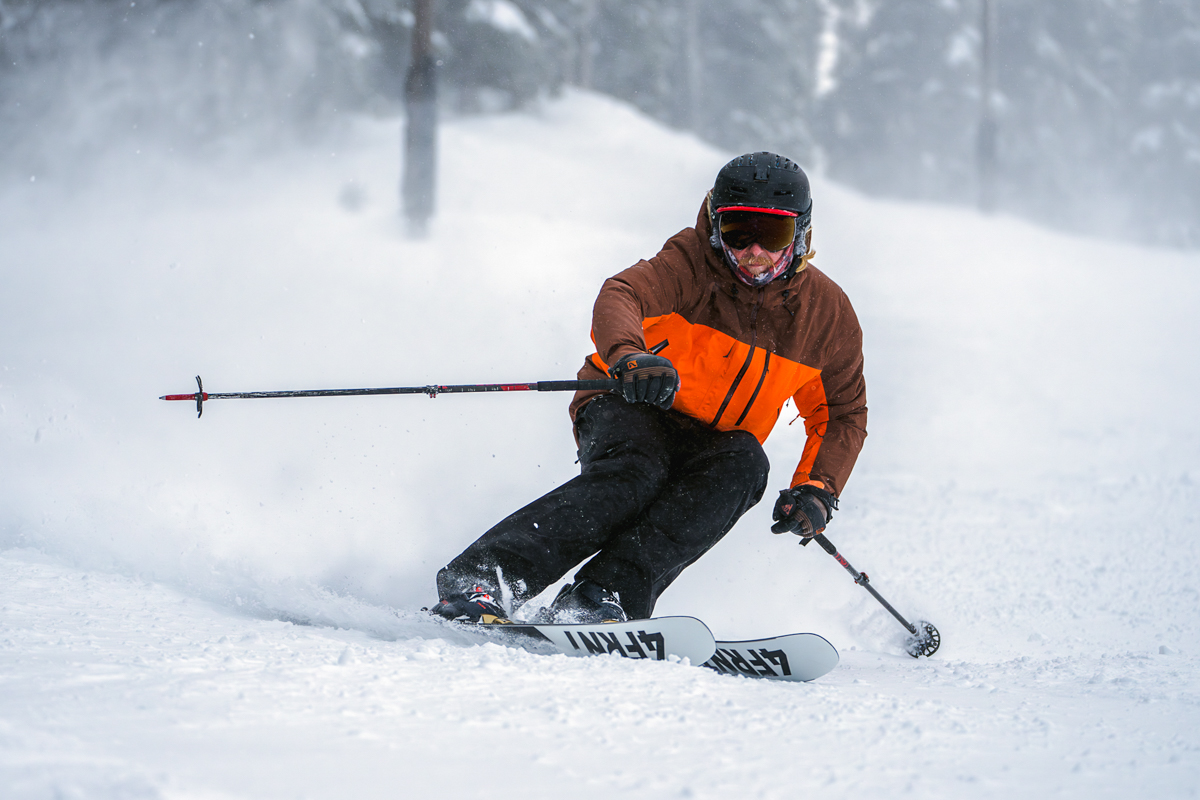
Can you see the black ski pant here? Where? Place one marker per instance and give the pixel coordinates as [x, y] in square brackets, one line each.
[657, 489]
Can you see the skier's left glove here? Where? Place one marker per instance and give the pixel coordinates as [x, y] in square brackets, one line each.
[646, 378]
[803, 510]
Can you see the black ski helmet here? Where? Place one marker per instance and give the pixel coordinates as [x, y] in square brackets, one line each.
[762, 181]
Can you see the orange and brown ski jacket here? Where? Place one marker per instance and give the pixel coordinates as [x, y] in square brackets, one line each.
[741, 351]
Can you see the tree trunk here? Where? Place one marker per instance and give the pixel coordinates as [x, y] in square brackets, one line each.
[985, 144]
[420, 136]
[587, 44]
[694, 64]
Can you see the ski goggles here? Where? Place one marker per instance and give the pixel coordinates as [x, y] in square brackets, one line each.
[742, 227]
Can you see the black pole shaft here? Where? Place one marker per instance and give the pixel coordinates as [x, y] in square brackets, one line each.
[862, 580]
[432, 390]
[200, 396]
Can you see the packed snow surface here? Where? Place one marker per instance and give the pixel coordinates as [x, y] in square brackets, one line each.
[228, 607]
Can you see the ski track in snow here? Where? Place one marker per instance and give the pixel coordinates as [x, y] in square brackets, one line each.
[116, 687]
[205, 609]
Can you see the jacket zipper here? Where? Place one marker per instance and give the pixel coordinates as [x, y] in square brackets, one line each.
[761, 380]
[733, 388]
[762, 293]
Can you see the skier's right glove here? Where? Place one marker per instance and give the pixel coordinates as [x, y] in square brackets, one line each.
[803, 510]
[646, 378]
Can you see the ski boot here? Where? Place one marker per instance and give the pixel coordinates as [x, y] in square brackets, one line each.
[474, 605]
[585, 602]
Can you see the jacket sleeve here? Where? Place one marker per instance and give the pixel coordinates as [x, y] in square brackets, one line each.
[834, 407]
[648, 289]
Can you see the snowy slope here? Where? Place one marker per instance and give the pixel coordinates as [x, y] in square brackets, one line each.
[1029, 485]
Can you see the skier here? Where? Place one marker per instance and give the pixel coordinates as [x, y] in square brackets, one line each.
[708, 340]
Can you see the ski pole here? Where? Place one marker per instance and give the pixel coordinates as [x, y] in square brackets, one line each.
[200, 396]
[923, 639]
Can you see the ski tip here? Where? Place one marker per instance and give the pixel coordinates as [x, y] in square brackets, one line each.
[791, 657]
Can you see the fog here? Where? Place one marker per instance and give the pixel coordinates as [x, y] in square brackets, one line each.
[211, 187]
[133, 133]
[1095, 106]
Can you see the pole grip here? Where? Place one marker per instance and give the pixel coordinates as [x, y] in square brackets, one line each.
[602, 384]
[826, 545]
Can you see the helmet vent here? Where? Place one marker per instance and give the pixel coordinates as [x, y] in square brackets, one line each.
[761, 180]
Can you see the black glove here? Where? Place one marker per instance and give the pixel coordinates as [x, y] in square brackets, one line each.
[803, 510]
[645, 378]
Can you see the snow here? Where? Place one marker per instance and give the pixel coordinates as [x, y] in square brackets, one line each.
[227, 607]
[501, 15]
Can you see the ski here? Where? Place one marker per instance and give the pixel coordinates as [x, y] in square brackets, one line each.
[794, 657]
[654, 639]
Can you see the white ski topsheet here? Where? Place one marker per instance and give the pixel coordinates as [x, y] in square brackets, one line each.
[795, 657]
[792, 657]
[656, 639]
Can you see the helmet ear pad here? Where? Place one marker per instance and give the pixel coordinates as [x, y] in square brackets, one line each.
[801, 248]
[714, 237]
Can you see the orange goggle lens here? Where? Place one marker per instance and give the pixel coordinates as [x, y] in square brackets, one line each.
[740, 229]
